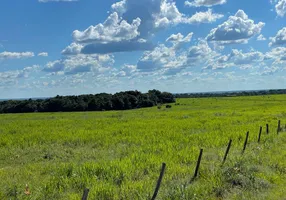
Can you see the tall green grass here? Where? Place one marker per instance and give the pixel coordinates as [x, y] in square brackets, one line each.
[118, 154]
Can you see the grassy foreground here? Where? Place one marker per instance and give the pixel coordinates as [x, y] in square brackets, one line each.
[118, 155]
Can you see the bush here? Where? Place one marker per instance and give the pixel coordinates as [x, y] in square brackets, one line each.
[168, 106]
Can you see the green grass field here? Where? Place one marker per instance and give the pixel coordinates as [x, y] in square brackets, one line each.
[118, 154]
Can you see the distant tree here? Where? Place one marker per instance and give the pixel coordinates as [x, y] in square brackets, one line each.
[118, 102]
[155, 96]
[167, 97]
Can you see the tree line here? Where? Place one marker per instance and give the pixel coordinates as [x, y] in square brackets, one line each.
[231, 94]
[98, 102]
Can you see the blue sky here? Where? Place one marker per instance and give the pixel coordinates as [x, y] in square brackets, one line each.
[66, 47]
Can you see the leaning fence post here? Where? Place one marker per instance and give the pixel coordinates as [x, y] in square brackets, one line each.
[159, 181]
[278, 128]
[245, 142]
[198, 163]
[85, 194]
[267, 128]
[260, 132]
[227, 151]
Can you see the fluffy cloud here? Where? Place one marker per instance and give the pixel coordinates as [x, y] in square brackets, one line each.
[237, 29]
[129, 69]
[112, 30]
[80, 64]
[200, 53]
[172, 60]
[146, 10]
[114, 35]
[24, 73]
[158, 14]
[16, 55]
[159, 58]
[54, 66]
[44, 54]
[170, 15]
[8, 78]
[131, 25]
[279, 39]
[240, 58]
[11, 77]
[218, 62]
[204, 17]
[126, 71]
[277, 54]
[206, 3]
[280, 8]
[178, 40]
[72, 49]
[237, 58]
[261, 38]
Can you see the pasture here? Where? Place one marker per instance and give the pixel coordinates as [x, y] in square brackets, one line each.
[118, 154]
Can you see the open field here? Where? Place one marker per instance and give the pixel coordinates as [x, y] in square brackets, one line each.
[118, 154]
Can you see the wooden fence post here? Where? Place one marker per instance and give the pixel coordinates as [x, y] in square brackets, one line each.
[159, 181]
[245, 142]
[198, 163]
[85, 194]
[278, 127]
[260, 132]
[267, 128]
[227, 151]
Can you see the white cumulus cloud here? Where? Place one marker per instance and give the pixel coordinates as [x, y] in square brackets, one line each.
[240, 58]
[204, 17]
[80, 64]
[278, 54]
[280, 8]
[178, 40]
[200, 53]
[131, 26]
[261, 38]
[44, 54]
[237, 29]
[16, 55]
[206, 3]
[11, 77]
[173, 60]
[279, 39]
[170, 15]
[73, 49]
[113, 29]
[159, 14]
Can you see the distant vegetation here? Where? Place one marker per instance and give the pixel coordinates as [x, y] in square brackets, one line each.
[98, 102]
[231, 94]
